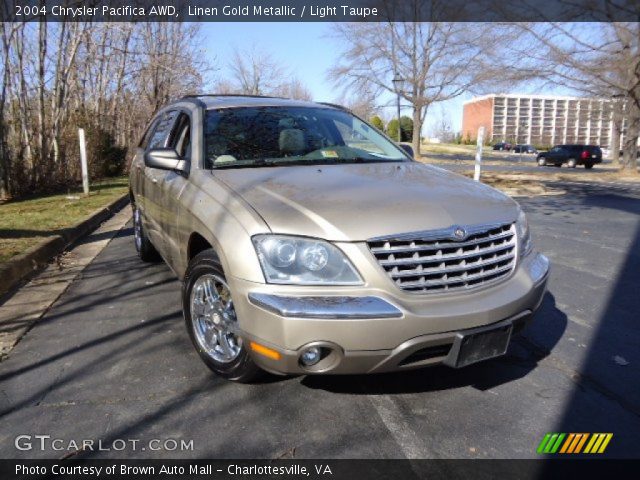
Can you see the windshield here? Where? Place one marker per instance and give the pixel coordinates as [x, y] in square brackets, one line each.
[264, 136]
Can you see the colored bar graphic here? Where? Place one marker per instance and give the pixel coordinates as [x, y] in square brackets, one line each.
[567, 443]
[581, 443]
[576, 439]
[555, 447]
[606, 441]
[599, 440]
[590, 444]
[543, 443]
[574, 443]
[550, 443]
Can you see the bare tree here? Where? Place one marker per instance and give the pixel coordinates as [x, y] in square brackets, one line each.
[438, 61]
[441, 127]
[363, 103]
[598, 60]
[107, 78]
[294, 88]
[255, 72]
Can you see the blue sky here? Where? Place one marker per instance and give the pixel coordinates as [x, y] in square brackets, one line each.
[306, 49]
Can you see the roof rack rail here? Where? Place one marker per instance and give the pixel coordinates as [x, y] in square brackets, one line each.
[196, 95]
[335, 105]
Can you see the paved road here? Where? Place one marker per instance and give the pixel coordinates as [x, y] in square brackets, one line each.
[111, 360]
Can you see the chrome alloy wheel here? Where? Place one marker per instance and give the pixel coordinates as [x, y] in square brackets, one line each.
[137, 228]
[214, 319]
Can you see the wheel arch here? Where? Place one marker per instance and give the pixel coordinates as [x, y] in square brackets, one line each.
[198, 243]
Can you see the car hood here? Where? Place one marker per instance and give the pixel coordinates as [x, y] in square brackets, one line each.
[355, 202]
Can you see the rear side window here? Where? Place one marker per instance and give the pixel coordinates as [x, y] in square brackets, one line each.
[162, 129]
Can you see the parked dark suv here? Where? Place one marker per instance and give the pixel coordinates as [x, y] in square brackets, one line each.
[572, 155]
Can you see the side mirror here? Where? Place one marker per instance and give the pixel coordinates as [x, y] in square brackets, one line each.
[164, 159]
[407, 148]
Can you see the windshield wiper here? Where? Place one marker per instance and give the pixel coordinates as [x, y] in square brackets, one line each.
[283, 162]
[254, 163]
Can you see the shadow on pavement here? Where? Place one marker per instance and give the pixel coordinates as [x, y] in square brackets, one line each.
[609, 373]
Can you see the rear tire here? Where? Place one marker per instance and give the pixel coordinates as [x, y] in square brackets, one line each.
[146, 251]
[571, 163]
[588, 166]
[557, 165]
[211, 320]
[542, 162]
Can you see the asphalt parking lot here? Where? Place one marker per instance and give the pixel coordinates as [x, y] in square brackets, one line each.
[112, 360]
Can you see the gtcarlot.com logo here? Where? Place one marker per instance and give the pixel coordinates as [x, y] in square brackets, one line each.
[47, 442]
[574, 443]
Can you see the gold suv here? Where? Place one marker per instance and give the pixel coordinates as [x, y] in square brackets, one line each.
[308, 242]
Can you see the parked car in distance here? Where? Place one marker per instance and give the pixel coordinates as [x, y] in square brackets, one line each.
[308, 242]
[502, 146]
[572, 155]
[524, 148]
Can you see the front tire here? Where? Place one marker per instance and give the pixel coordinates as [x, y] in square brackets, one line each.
[211, 320]
[146, 251]
[542, 162]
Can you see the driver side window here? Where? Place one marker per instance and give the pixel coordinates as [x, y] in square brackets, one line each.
[162, 128]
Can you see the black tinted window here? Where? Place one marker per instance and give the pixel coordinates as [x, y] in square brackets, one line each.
[162, 129]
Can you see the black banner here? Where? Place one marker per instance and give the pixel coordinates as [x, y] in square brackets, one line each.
[76, 469]
[321, 10]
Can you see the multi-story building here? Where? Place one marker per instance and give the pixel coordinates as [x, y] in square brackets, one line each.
[540, 119]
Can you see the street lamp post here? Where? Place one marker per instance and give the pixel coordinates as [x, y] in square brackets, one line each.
[398, 83]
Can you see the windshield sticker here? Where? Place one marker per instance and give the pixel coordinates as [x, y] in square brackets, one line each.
[329, 154]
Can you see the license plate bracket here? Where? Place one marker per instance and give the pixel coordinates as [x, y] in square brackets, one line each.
[480, 344]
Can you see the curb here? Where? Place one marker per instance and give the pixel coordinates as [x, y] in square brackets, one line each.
[21, 266]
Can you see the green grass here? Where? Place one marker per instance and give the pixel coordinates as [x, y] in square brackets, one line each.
[24, 223]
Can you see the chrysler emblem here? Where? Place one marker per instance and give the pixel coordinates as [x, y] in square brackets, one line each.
[459, 233]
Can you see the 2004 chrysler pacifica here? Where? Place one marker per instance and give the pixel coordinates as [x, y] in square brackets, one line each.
[308, 242]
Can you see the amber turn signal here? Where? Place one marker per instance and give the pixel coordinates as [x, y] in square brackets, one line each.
[267, 352]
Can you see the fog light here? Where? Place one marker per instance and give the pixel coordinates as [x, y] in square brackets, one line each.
[311, 356]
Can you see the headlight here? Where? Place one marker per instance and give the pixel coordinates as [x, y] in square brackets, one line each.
[522, 231]
[303, 261]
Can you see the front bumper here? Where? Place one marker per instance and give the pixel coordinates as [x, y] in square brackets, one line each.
[369, 330]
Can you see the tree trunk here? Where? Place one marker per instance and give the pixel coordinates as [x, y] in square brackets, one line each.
[616, 127]
[42, 139]
[5, 162]
[417, 127]
[630, 157]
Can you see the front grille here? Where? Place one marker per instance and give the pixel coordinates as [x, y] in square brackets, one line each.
[431, 262]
